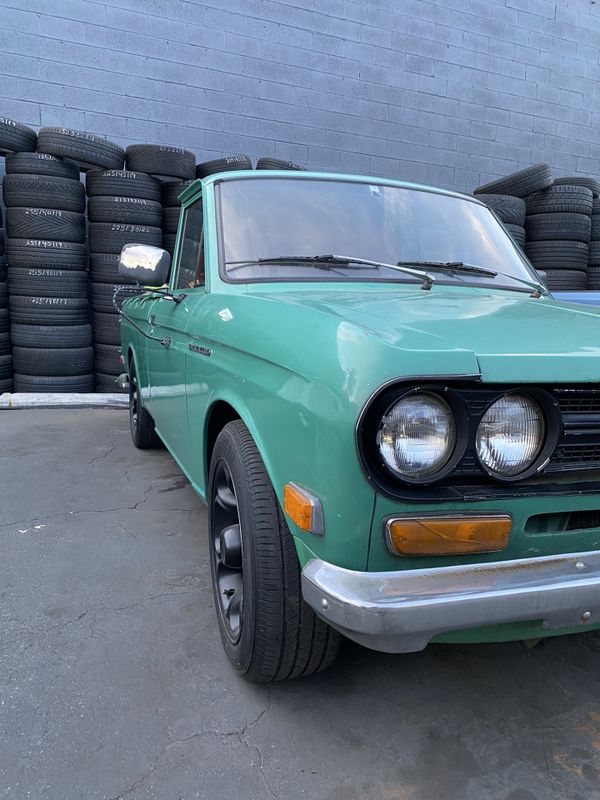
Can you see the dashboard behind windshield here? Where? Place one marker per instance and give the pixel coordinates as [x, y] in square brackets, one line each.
[272, 217]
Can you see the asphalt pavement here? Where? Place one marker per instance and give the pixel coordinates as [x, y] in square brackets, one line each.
[113, 683]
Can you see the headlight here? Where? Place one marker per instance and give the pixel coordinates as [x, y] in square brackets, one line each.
[417, 436]
[510, 435]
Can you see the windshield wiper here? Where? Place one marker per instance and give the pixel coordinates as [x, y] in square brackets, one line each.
[459, 266]
[337, 262]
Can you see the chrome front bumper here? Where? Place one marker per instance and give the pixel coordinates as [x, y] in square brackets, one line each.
[400, 612]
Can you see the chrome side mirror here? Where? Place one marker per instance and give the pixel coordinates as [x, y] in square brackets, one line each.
[147, 265]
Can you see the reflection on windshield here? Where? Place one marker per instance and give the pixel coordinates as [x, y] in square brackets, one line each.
[270, 217]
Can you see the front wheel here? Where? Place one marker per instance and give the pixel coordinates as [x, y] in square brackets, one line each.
[269, 633]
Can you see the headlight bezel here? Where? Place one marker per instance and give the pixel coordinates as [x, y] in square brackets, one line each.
[460, 418]
[468, 399]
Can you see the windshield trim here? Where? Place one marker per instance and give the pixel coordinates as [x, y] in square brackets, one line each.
[332, 178]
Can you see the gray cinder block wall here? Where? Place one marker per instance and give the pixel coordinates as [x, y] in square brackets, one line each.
[448, 92]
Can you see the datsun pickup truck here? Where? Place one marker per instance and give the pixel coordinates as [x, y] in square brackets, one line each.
[394, 425]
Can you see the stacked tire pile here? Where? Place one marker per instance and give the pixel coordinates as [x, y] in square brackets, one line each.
[559, 225]
[164, 164]
[47, 279]
[47, 256]
[123, 207]
[6, 370]
[14, 138]
[561, 236]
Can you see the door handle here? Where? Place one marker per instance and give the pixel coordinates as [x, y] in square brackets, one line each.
[152, 319]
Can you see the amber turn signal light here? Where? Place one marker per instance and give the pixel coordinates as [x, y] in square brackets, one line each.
[303, 508]
[447, 535]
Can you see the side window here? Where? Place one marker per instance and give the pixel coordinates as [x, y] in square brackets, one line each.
[190, 268]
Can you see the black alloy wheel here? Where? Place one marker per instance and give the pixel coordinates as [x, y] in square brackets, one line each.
[226, 552]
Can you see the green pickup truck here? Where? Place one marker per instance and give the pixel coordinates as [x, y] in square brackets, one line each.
[394, 425]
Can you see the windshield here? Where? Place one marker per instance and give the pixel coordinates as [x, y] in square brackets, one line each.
[264, 218]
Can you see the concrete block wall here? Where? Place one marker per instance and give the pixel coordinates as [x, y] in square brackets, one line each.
[447, 92]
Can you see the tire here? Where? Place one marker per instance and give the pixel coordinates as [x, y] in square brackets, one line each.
[6, 385]
[566, 280]
[6, 367]
[107, 237]
[4, 323]
[44, 253]
[559, 255]
[107, 359]
[48, 283]
[3, 270]
[45, 223]
[593, 276]
[15, 137]
[53, 336]
[278, 635]
[47, 310]
[594, 253]
[590, 183]
[53, 383]
[169, 242]
[595, 236]
[572, 227]
[228, 164]
[2, 242]
[511, 210]
[171, 190]
[170, 220]
[3, 295]
[5, 344]
[122, 183]
[141, 424]
[43, 191]
[568, 199]
[103, 293]
[40, 164]
[107, 383]
[87, 149]
[277, 163]
[107, 328]
[128, 210]
[104, 268]
[521, 183]
[53, 361]
[518, 233]
[170, 162]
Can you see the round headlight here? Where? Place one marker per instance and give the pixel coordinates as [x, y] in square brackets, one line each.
[510, 435]
[417, 436]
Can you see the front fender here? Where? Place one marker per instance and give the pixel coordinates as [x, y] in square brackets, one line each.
[304, 434]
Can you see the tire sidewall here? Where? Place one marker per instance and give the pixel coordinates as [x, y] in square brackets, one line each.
[240, 653]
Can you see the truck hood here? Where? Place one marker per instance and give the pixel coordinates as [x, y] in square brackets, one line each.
[504, 336]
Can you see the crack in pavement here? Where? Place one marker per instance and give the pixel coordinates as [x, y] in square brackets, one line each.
[240, 734]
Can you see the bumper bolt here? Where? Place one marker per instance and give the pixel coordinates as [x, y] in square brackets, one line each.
[586, 615]
[324, 603]
[579, 565]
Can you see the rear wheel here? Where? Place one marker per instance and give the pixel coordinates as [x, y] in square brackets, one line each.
[140, 422]
[269, 633]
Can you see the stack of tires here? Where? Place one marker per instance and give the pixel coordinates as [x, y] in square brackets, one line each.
[593, 184]
[277, 163]
[6, 370]
[123, 207]
[47, 278]
[558, 225]
[165, 164]
[14, 138]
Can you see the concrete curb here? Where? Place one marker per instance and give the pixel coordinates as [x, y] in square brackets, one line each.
[63, 400]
